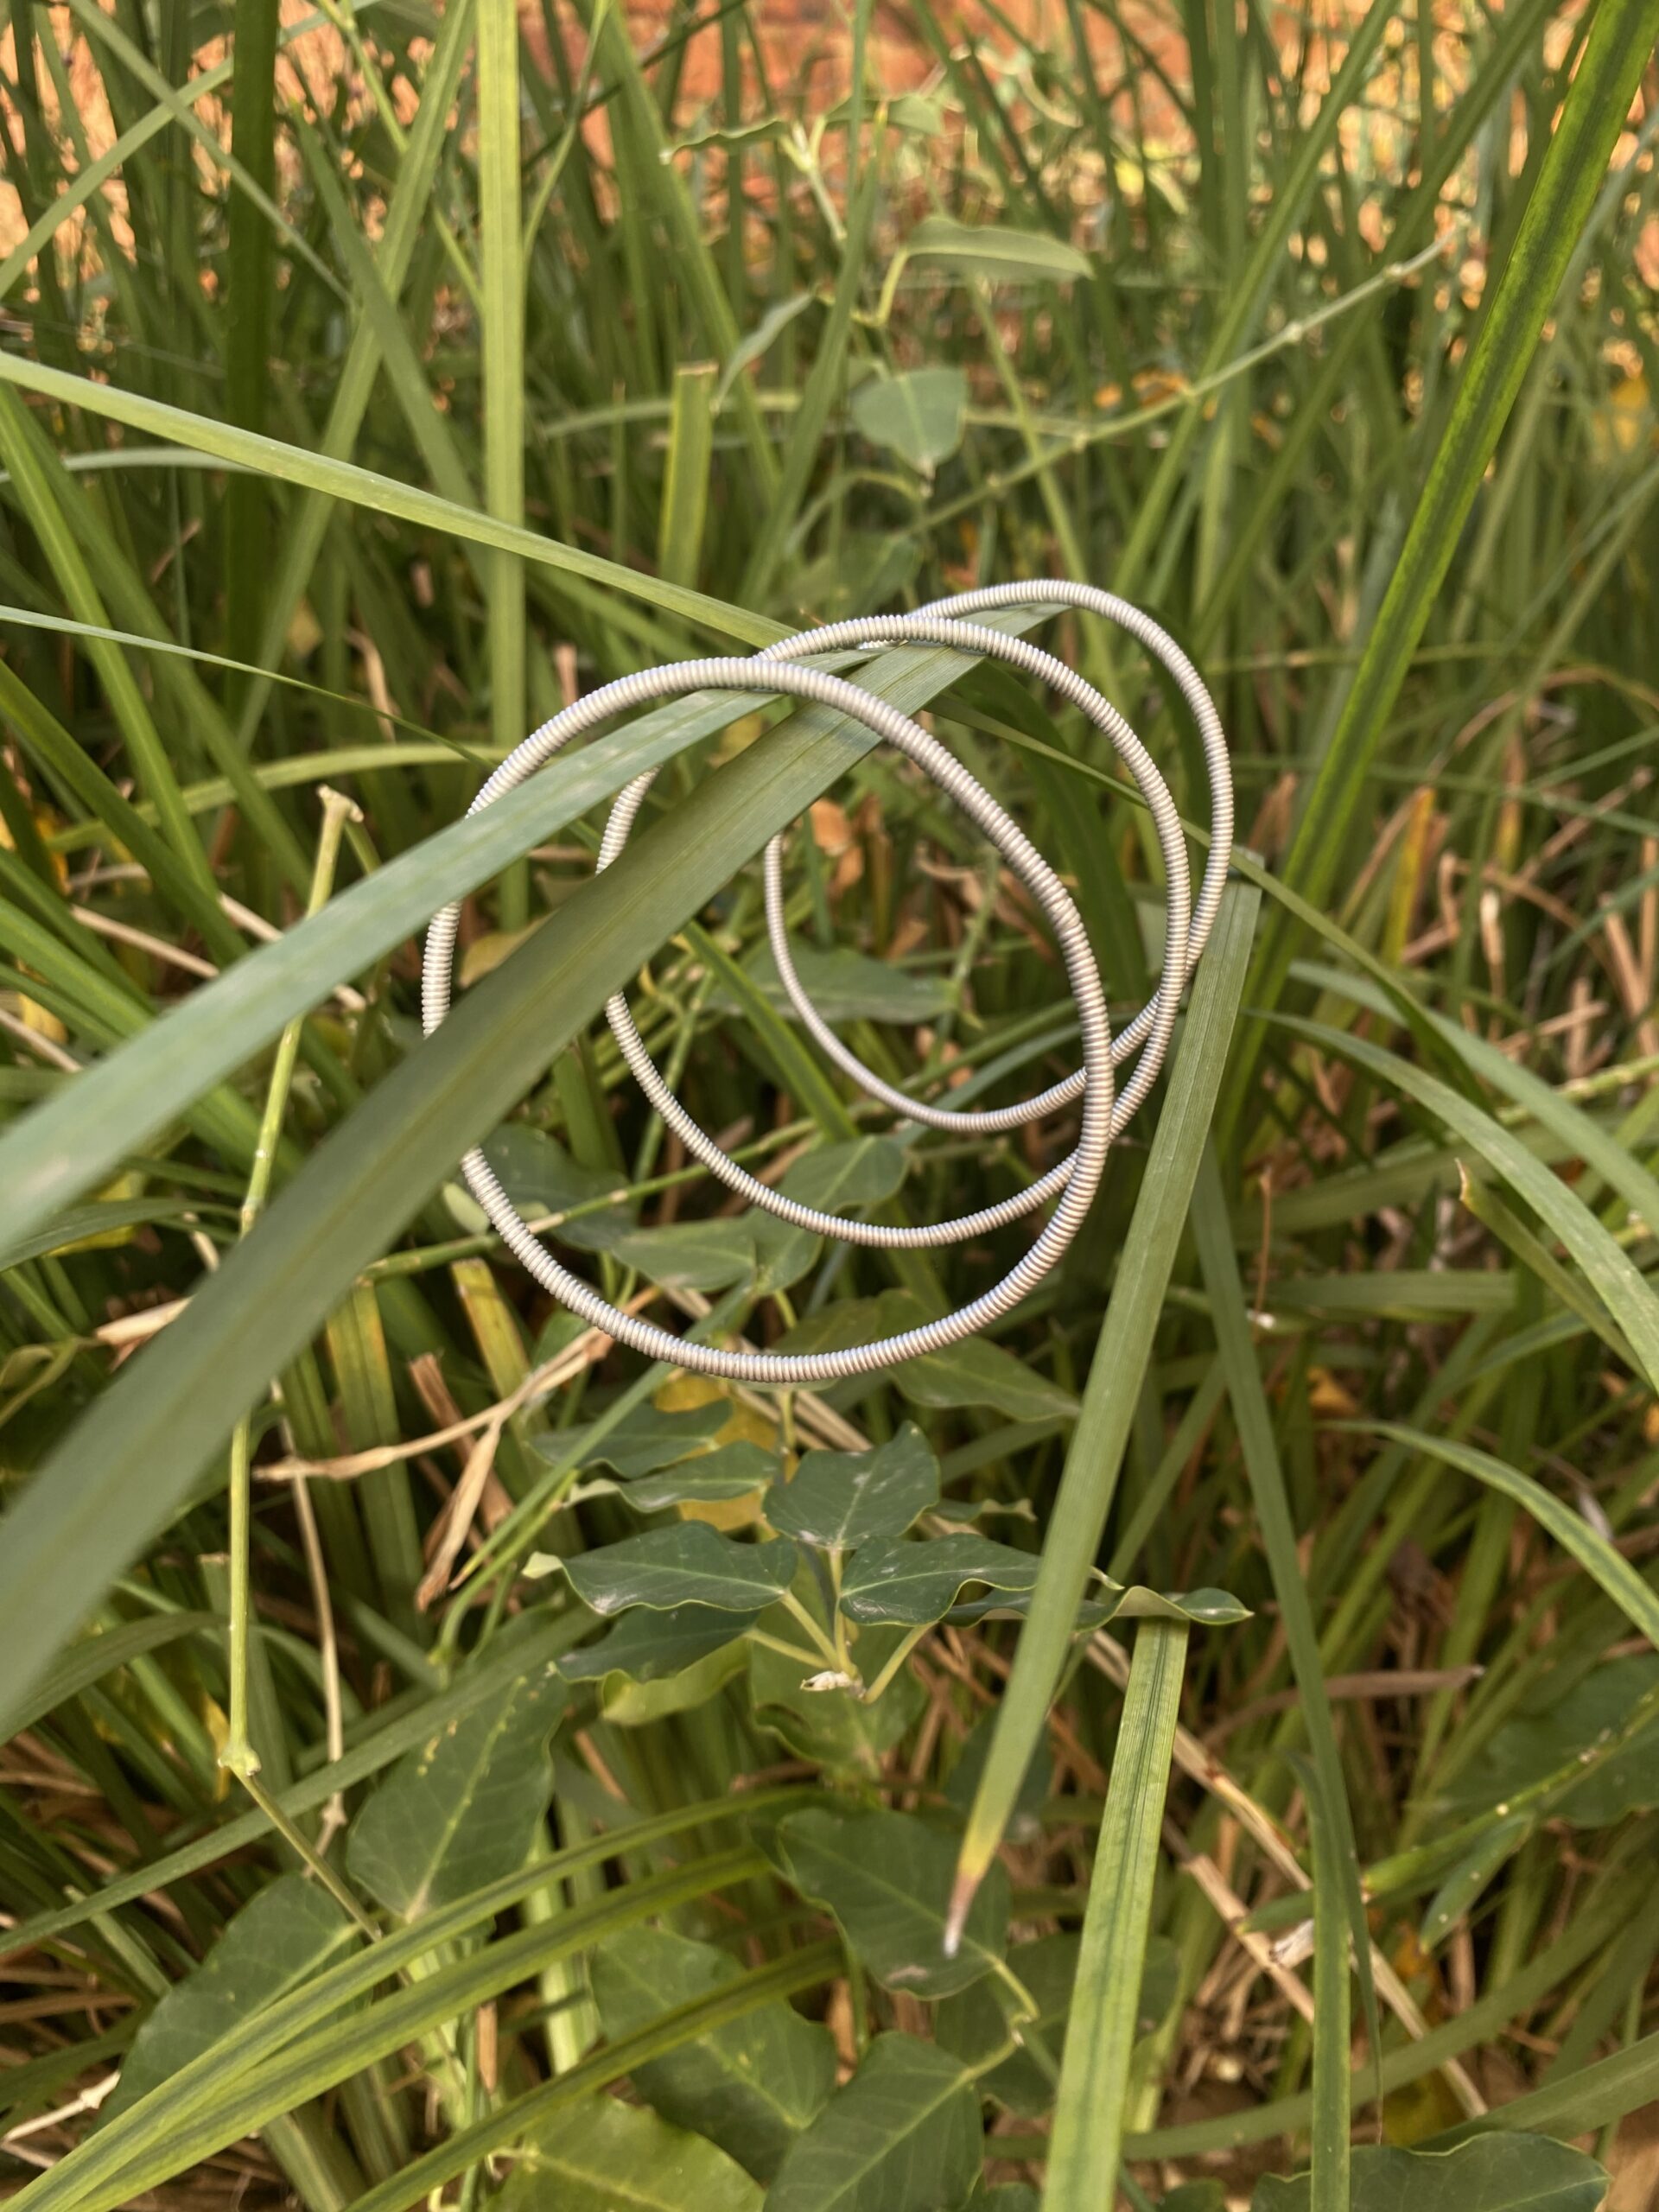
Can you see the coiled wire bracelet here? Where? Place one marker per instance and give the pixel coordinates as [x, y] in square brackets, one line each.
[783, 667]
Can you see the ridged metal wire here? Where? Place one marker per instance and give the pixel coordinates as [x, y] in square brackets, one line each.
[1105, 1112]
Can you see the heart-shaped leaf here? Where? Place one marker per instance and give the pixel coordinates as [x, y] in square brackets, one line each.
[644, 1440]
[464, 1808]
[1491, 2173]
[730, 1471]
[688, 1564]
[750, 2086]
[860, 1172]
[918, 1583]
[289, 1931]
[918, 415]
[601, 2154]
[977, 1374]
[540, 1177]
[646, 1646]
[887, 1877]
[838, 1500]
[902, 2136]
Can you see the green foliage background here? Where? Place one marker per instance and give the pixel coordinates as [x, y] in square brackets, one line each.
[446, 1755]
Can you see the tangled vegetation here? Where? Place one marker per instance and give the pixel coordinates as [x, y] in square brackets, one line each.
[452, 1761]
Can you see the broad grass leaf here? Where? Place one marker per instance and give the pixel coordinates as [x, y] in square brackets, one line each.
[903, 2136]
[838, 1500]
[646, 1646]
[690, 1565]
[1568, 1724]
[751, 2085]
[1493, 2173]
[860, 1172]
[463, 1809]
[290, 1930]
[603, 2154]
[90, 1657]
[918, 415]
[996, 251]
[974, 2024]
[540, 1177]
[886, 1879]
[916, 1584]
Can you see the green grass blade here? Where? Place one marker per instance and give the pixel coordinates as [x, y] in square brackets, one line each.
[1600, 1559]
[1620, 42]
[1097, 1444]
[125, 1467]
[501, 320]
[1088, 2134]
[1614, 1277]
[685, 489]
[1258, 1444]
[364, 487]
[1333, 2079]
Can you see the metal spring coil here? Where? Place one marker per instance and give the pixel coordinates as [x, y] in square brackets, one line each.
[781, 668]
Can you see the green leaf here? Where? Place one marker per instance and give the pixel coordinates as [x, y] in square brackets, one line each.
[1616, 1279]
[1566, 1724]
[1469, 1880]
[838, 1500]
[1635, 1598]
[730, 1471]
[690, 1565]
[751, 2087]
[974, 2024]
[646, 1647]
[845, 985]
[1493, 2173]
[464, 1807]
[1575, 163]
[692, 1255]
[1088, 2109]
[976, 1373]
[540, 1177]
[1114, 1387]
[715, 1254]
[917, 1583]
[90, 1657]
[645, 1439]
[630, 1704]
[902, 2136]
[291, 1930]
[860, 1172]
[601, 2156]
[835, 1728]
[983, 1374]
[998, 252]
[918, 415]
[886, 1879]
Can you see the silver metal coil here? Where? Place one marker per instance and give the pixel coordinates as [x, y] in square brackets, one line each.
[781, 668]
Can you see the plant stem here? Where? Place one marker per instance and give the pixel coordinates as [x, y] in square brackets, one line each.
[238, 1756]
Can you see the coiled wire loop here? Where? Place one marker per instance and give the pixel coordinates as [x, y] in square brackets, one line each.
[783, 667]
